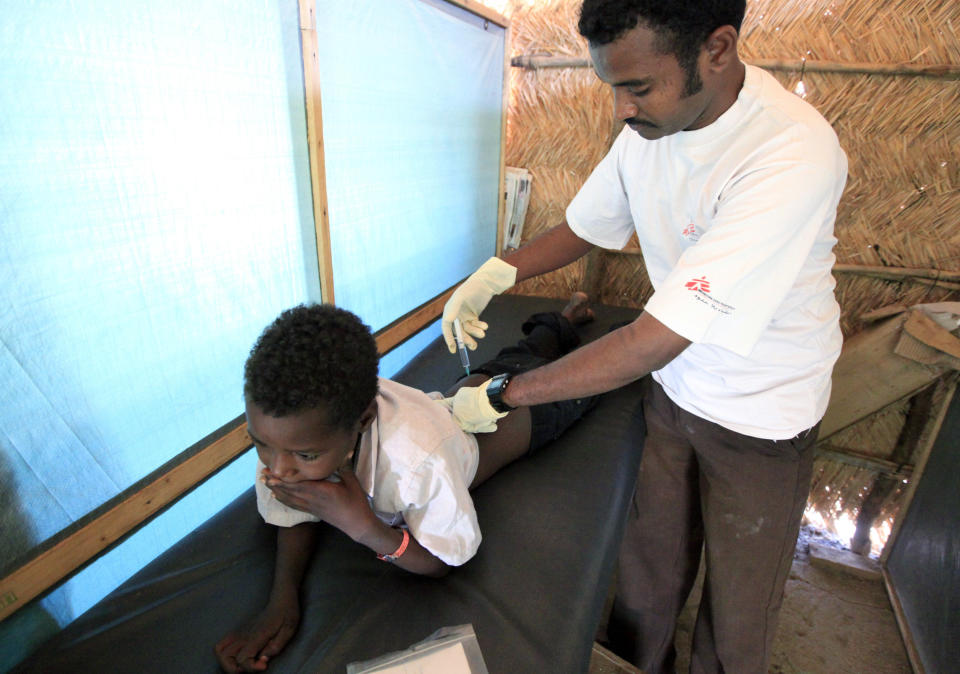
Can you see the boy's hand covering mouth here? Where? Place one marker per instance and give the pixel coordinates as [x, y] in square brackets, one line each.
[266, 477]
[343, 504]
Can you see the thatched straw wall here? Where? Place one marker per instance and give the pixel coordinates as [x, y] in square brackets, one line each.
[901, 207]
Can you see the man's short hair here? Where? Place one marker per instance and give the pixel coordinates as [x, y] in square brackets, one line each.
[313, 356]
[681, 26]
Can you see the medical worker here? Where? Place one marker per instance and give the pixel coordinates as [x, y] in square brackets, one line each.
[731, 185]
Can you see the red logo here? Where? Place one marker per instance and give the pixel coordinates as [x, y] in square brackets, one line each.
[701, 284]
[689, 230]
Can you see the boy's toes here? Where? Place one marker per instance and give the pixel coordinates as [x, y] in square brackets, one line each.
[578, 308]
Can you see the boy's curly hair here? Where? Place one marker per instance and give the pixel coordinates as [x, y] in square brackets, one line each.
[313, 356]
[682, 26]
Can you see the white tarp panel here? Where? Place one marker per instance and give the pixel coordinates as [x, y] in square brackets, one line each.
[412, 94]
[155, 214]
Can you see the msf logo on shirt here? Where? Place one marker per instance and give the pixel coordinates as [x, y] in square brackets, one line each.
[700, 287]
[701, 284]
[690, 233]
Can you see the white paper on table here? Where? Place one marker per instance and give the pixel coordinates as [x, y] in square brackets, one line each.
[450, 659]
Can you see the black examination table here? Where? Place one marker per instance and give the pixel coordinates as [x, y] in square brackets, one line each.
[534, 593]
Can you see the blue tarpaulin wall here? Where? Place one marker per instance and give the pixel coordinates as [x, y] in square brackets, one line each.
[156, 214]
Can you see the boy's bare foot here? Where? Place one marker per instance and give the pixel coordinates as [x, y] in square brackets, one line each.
[578, 309]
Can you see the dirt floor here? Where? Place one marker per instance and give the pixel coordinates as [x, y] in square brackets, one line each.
[831, 621]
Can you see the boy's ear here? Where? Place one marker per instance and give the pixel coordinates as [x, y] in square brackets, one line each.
[369, 414]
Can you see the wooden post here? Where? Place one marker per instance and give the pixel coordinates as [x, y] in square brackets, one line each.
[917, 419]
[593, 276]
[501, 186]
[318, 175]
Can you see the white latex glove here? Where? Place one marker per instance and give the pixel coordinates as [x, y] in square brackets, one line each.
[492, 278]
[472, 409]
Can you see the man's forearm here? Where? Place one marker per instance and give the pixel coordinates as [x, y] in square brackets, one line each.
[551, 250]
[294, 548]
[614, 360]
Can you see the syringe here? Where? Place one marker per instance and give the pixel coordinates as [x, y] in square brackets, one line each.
[458, 336]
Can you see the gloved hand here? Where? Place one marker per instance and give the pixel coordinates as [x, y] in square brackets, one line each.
[472, 409]
[492, 278]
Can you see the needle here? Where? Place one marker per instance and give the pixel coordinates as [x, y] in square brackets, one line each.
[458, 336]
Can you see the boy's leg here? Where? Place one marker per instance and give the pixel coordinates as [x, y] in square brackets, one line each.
[549, 421]
[548, 337]
[508, 443]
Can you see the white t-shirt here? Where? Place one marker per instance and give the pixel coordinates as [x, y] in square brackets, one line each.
[416, 465]
[736, 225]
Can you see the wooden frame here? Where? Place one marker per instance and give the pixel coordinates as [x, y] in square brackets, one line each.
[93, 535]
[913, 655]
[318, 174]
[485, 12]
[78, 545]
[859, 460]
[950, 386]
[504, 106]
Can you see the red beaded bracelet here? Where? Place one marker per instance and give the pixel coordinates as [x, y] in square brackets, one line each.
[399, 551]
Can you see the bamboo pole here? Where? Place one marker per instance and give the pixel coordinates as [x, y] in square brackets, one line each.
[949, 280]
[532, 62]
[897, 273]
[936, 277]
[946, 71]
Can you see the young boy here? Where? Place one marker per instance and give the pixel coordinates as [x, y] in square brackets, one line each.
[385, 463]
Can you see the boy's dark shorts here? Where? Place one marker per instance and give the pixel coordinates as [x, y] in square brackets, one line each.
[550, 420]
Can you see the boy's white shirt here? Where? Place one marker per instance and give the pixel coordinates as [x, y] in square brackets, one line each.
[416, 465]
[736, 225]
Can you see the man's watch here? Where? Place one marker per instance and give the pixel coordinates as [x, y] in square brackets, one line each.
[495, 389]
